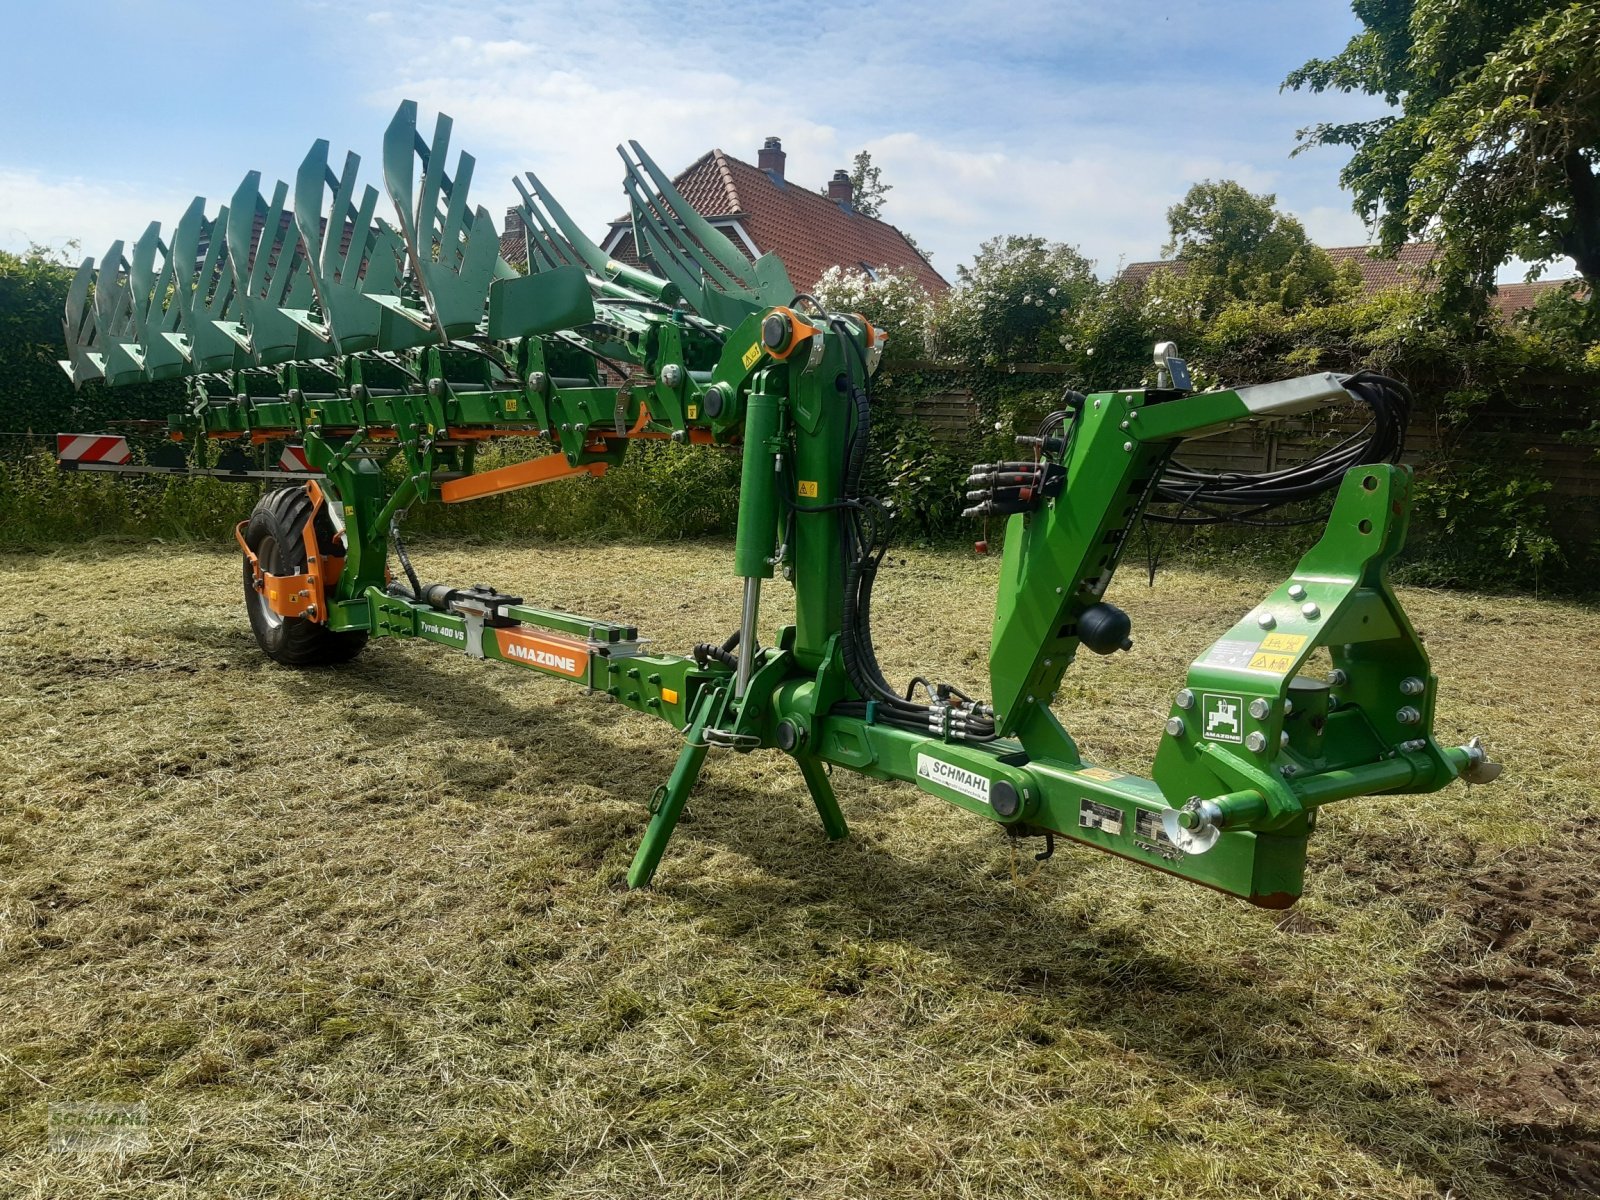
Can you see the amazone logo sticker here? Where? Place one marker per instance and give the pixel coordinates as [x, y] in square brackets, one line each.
[548, 654]
[957, 779]
[1222, 717]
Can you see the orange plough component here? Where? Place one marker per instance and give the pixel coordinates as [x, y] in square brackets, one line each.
[517, 475]
[305, 594]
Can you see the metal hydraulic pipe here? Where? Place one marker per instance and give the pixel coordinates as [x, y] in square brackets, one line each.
[747, 636]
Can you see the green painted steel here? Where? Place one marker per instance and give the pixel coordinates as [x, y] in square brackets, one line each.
[392, 349]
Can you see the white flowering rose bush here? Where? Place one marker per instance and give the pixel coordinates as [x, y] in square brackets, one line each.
[894, 302]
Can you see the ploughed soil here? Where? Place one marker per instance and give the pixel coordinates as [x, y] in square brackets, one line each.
[1517, 1006]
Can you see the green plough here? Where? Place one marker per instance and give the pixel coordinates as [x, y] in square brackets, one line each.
[382, 354]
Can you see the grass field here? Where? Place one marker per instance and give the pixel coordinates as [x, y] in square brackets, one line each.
[362, 932]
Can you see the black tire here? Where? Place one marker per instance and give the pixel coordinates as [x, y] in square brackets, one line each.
[276, 533]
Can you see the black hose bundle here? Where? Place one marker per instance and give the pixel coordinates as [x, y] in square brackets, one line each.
[397, 589]
[864, 540]
[707, 652]
[1199, 493]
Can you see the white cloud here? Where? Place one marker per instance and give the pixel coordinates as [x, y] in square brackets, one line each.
[1076, 121]
[1328, 225]
[53, 210]
[980, 129]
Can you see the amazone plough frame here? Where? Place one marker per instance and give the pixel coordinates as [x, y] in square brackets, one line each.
[392, 351]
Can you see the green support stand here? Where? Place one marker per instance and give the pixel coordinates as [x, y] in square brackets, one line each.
[821, 788]
[668, 803]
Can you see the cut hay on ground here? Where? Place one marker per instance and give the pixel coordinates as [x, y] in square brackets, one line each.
[362, 932]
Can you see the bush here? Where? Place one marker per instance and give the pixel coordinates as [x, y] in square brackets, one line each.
[45, 506]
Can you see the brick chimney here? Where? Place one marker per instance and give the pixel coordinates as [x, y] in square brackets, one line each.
[839, 190]
[771, 159]
[517, 232]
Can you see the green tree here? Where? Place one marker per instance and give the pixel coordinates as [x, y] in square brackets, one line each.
[1236, 246]
[867, 188]
[1016, 300]
[1496, 142]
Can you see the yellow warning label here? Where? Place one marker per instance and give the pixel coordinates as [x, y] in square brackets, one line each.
[693, 410]
[1278, 664]
[751, 355]
[1100, 773]
[670, 695]
[511, 404]
[808, 487]
[1287, 643]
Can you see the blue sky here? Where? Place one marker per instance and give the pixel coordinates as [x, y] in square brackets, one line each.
[1075, 120]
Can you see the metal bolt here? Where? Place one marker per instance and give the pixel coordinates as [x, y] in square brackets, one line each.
[435, 386]
[1283, 738]
[1259, 708]
[672, 375]
[1097, 404]
[1128, 446]
[1337, 678]
[1288, 770]
[1296, 592]
[1266, 620]
[1134, 415]
[1408, 715]
[1175, 726]
[1412, 686]
[1414, 745]
[1310, 611]
[1185, 699]
[1124, 425]
[1256, 742]
[358, 391]
[1288, 707]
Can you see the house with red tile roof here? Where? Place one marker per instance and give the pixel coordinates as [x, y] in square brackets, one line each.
[1406, 268]
[761, 212]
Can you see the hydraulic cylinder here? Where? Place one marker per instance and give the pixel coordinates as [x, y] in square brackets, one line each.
[753, 557]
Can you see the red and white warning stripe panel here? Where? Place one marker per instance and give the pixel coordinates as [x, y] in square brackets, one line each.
[92, 449]
[294, 459]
